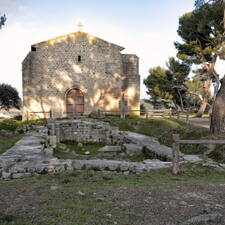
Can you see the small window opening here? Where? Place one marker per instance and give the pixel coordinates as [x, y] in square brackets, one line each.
[33, 49]
[79, 58]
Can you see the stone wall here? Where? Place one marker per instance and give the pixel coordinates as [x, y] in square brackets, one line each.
[85, 131]
[53, 68]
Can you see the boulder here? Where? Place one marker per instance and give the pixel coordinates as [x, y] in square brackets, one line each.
[204, 218]
[6, 133]
[110, 150]
[132, 149]
[96, 115]
[21, 175]
[62, 147]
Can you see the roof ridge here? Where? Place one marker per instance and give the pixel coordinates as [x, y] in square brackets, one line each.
[58, 38]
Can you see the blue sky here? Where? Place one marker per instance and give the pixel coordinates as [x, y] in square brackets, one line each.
[144, 27]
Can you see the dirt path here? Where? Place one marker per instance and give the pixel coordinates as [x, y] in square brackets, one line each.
[97, 198]
[201, 122]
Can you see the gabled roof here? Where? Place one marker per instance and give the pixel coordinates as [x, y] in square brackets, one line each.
[75, 34]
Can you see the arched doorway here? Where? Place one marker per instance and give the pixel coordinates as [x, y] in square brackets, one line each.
[74, 102]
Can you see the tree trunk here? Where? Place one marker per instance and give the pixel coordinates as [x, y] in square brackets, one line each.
[224, 20]
[218, 111]
[181, 100]
[205, 96]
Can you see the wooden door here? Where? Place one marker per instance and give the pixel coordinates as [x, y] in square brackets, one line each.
[74, 102]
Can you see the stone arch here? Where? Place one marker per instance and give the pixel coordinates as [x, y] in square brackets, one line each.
[74, 99]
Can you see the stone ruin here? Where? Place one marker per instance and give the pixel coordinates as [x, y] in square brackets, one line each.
[34, 153]
[82, 131]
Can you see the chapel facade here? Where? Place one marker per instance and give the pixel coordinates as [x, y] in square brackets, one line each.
[76, 74]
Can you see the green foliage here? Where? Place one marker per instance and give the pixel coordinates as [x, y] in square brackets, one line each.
[166, 83]
[2, 20]
[195, 90]
[9, 97]
[160, 128]
[8, 142]
[202, 33]
[158, 84]
[8, 124]
[78, 151]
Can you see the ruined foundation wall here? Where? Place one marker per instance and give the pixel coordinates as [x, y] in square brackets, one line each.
[85, 131]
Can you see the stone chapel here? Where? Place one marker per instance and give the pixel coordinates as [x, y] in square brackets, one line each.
[76, 74]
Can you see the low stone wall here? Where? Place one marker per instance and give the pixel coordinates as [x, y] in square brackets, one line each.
[85, 131]
[31, 156]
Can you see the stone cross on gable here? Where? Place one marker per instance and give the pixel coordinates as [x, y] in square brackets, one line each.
[80, 27]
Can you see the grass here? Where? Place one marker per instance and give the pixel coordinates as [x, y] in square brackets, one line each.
[112, 198]
[13, 125]
[8, 142]
[15, 130]
[109, 198]
[163, 129]
[78, 151]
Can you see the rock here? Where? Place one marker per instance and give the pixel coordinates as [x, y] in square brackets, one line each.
[110, 150]
[52, 141]
[48, 152]
[126, 173]
[68, 165]
[211, 148]
[132, 149]
[219, 206]
[212, 217]
[62, 147]
[6, 175]
[100, 199]
[6, 133]
[183, 203]
[192, 158]
[21, 175]
[156, 164]
[151, 145]
[81, 193]
[96, 115]
[78, 164]
[79, 145]
[54, 187]
[219, 169]
[87, 153]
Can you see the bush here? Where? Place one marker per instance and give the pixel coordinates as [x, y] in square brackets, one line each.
[18, 117]
[8, 124]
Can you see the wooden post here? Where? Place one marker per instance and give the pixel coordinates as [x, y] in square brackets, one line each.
[50, 113]
[187, 117]
[146, 113]
[99, 113]
[176, 155]
[122, 107]
[170, 113]
[150, 114]
[178, 114]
